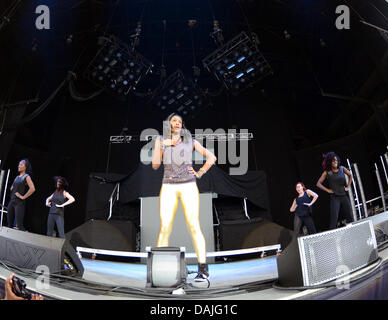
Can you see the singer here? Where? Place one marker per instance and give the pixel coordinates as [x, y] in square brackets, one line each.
[175, 150]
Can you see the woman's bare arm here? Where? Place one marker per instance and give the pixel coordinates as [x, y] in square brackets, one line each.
[69, 201]
[311, 193]
[349, 174]
[210, 159]
[320, 183]
[293, 206]
[157, 155]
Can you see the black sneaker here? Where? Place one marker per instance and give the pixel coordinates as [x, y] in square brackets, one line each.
[203, 272]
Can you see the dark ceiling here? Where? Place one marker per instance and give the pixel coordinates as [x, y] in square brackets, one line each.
[316, 69]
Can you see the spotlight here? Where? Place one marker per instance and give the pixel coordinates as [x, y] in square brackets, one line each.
[166, 267]
[114, 60]
[241, 59]
[234, 63]
[178, 93]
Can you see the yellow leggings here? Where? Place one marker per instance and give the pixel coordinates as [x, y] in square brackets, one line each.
[168, 205]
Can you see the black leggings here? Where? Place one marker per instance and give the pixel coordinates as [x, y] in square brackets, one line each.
[16, 209]
[300, 221]
[338, 203]
[55, 219]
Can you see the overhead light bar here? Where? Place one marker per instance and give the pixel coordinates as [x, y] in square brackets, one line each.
[117, 67]
[238, 64]
[179, 94]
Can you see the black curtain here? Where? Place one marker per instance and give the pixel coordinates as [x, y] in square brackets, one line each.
[146, 182]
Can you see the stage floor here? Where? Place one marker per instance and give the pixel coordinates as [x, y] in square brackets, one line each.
[228, 281]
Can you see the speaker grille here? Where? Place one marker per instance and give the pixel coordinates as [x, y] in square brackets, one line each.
[335, 253]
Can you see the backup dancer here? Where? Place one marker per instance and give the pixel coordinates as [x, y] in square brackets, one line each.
[338, 188]
[302, 205]
[175, 150]
[21, 189]
[56, 202]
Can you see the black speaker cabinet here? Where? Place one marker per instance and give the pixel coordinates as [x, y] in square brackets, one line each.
[101, 234]
[250, 233]
[319, 258]
[29, 250]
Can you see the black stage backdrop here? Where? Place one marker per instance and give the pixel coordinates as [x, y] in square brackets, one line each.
[146, 182]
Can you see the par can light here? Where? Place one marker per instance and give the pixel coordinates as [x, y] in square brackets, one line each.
[166, 267]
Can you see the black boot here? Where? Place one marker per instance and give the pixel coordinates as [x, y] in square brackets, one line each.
[203, 272]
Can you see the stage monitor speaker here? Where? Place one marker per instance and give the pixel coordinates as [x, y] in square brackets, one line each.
[30, 251]
[115, 235]
[319, 258]
[250, 233]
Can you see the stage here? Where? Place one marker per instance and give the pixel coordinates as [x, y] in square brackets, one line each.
[249, 279]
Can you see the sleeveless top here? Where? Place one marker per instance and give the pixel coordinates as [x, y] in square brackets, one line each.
[303, 210]
[58, 198]
[19, 185]
[337, 181]
[176, 161]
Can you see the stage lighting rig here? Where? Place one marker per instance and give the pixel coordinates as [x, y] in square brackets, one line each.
[238, 64]
[179, 94]
[117, 67]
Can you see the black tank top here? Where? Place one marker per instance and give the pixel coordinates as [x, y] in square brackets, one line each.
[337, 181]
[303, 210]
[58, 198]
[19, 185]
